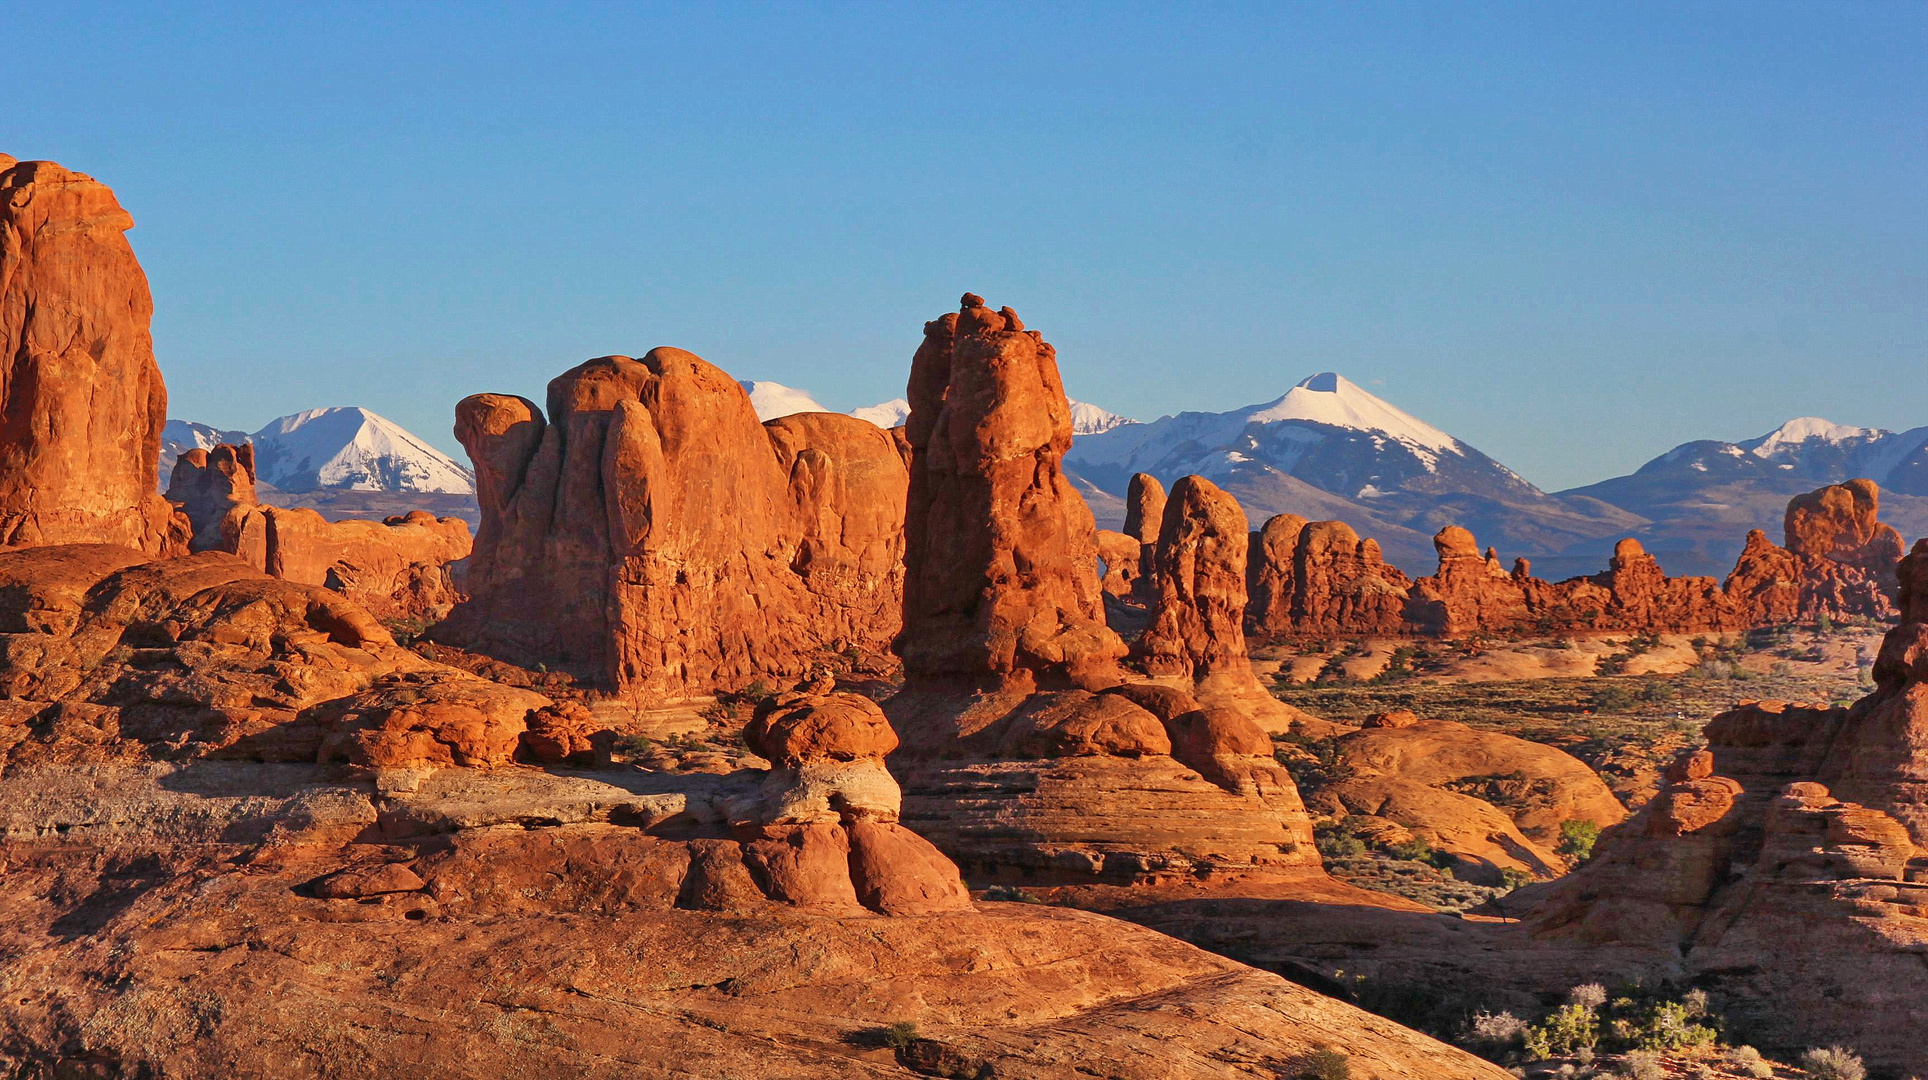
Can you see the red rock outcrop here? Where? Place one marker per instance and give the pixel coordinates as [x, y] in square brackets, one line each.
[1320, 578]
[81, 398]
[1014, 763]
[1832, 567]
[1121, 555]
[1197, 622]
[601, 550]
[399, 569]
[1001, 553]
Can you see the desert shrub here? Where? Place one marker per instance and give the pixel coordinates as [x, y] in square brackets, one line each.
[632, 745]
[1663, 1025]
[1833, 1063]
[1577, 837]
[1416, 850]
[1747, 1060]
[1315, 764]
[900, 1035]
[1512, 877]
[1589, 996]
[1325, 1063]
[1571, 1028]
[1335, 841]
[1615, 699]
[1657, 692]
[1642, 1065]
[1398, 666]
[1823, 624]
[1495, 1031]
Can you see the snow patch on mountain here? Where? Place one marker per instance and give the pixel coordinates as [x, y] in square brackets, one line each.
[886, 415]
[185, 435]
[1086, 419]
[1801, 430]
[1331, 398]
[773, 399]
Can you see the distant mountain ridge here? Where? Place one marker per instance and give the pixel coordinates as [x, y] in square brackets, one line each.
[1698, 500]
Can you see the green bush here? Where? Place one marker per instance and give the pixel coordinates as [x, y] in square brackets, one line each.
[632, 745]
[1746, 1059]
[1570, 1029]
[1577, 837]
[1614, 699]
[1325, 1063]
[1643, 1065]
[1335, 841]
[900, 1035]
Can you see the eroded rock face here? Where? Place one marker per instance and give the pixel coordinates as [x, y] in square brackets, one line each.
[1786, 860]
[1322, 583]
[399, 568]
[600, 550]
[1026, 757]
[81, 398]
[1491, 801]
[1197, 624]
[111, 657]
[1001, 559]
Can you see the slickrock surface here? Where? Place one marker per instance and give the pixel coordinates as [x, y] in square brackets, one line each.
[1837, 563]
[111, 657]
[1490, 800]
[398, 568]
[649, 531]
[1025, 757]
[81, 398]
[172, 911]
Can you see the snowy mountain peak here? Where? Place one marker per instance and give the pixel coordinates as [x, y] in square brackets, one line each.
[773, 399]
[1803, 429]
[1331, 398]
[1088, 419]
[353, 448]
[888, 414]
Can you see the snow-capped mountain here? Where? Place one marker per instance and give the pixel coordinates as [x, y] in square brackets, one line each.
[1704, 495]
[337, 448]
[1328, 448]
[888, 414]
[1088, 419]
[773, 399]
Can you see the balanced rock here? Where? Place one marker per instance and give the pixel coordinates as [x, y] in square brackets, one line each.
[81, 393]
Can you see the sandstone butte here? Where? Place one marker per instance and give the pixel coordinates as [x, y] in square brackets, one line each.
[649, 534]
[399, 568]
[1029, 756]
[81, 398]
[1320, 578]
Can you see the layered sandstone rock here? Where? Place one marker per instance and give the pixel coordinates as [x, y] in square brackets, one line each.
[1123, 561]
[112, 657]
[1144, 516]
[399, 568]
[1489, 800]
[81, 398]
[1197, 623]
[1025, 757]
[648, 531]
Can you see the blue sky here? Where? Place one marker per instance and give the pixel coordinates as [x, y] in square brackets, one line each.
[1572, 235]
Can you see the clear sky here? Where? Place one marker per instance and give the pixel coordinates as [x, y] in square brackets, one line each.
[1573, 235]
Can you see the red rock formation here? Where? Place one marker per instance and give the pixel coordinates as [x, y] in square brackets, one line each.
[1832, 567]
[1144, 508]
[1197, 623]
[600, 550]
[1061, 784]
[1121, 555]
[1001, 551]
[1337, 583]
[81, 399]
[398, 568]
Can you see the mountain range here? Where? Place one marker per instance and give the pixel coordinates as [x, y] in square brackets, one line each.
[1326, 449]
